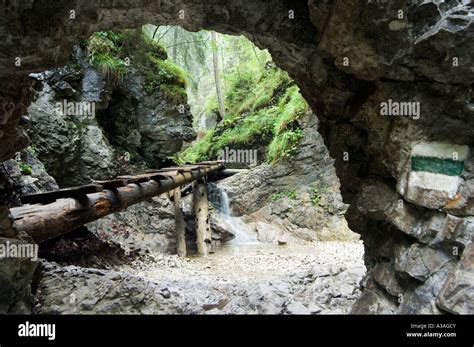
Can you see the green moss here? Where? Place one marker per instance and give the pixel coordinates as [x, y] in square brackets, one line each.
[290, 194]
[25, 168]
[284, 145]
[174, 93]
[32, 149]
[262, 111]
[198, 152]
[249, 99]
[110, 66]
[111, 51]
[287, 132]
[165, 72]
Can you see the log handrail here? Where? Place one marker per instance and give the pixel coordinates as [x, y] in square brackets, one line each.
[45, 221]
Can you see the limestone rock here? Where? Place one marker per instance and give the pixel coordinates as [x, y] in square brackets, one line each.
[420, 262]
[385, 275]
[146, 227]
[431, 190]
[374, 301]
[16, 275]
[457, 294]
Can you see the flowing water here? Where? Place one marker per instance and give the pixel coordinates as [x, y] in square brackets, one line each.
[244, 234]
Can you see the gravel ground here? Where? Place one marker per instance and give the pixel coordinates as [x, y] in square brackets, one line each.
[238, 279]
[267, 279]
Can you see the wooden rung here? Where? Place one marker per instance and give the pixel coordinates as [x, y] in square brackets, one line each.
[168, 172]
[185, 168]
[135, 179]
[159, 176]
[112, 184]
[73, 192]
[211, 162]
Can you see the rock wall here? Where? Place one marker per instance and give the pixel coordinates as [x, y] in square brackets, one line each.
[24, 175]
[121, 129]
[347, 57]
[295, 199]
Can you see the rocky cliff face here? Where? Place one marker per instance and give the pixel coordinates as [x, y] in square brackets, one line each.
[348, 57]
[295, 199]
[24, 175]
[84, 127]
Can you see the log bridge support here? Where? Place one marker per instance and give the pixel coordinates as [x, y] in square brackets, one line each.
[47, 215]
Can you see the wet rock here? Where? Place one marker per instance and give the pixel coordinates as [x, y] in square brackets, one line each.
[267, 232]
[422, 299]
[16, 276]
[385, 275]
[420, 262]
[64, 89]
[374, 301]
[298, 197]
[457, 294]
[84, 292]
[147, 226]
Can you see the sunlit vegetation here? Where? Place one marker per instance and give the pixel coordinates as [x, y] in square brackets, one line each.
[112, 52]
[264, 113]
[263, 106]
[290, 194]
[25, 168]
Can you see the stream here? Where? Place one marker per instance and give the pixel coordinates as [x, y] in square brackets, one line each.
[245, 276]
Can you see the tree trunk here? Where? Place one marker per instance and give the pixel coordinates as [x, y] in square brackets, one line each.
[179, 224]
[42, 222]
[201, 211]
[215, 60]
[175, 40]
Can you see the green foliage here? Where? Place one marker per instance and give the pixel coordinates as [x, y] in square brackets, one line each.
[265, 113]
[25, 168]
[174, 93]
[290, 194]
[263, 105]
[198, 152]
[316, 192]
[284, 145]
[165, 72]
[103, 54]
[262, 93]
[110, 51]
[287, 133]
[315, 195]
[32, 149]
[111, 67]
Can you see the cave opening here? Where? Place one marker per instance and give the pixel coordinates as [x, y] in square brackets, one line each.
[164, 96]
[408, 181]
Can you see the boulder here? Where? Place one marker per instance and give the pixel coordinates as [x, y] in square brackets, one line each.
[420, 262]
[457, 293]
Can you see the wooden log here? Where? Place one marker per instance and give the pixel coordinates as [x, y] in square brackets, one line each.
[135, 179]
[179, 224]
[211, 162]
[168, 172]
[49, 197]
[112, 184]
[184, 168]
[42, 222]
[201, 211]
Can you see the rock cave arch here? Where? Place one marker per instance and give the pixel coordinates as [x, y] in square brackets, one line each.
[347, 57]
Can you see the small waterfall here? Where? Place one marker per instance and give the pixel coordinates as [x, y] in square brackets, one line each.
[202, 122]
[242, 231]
[225, 203]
